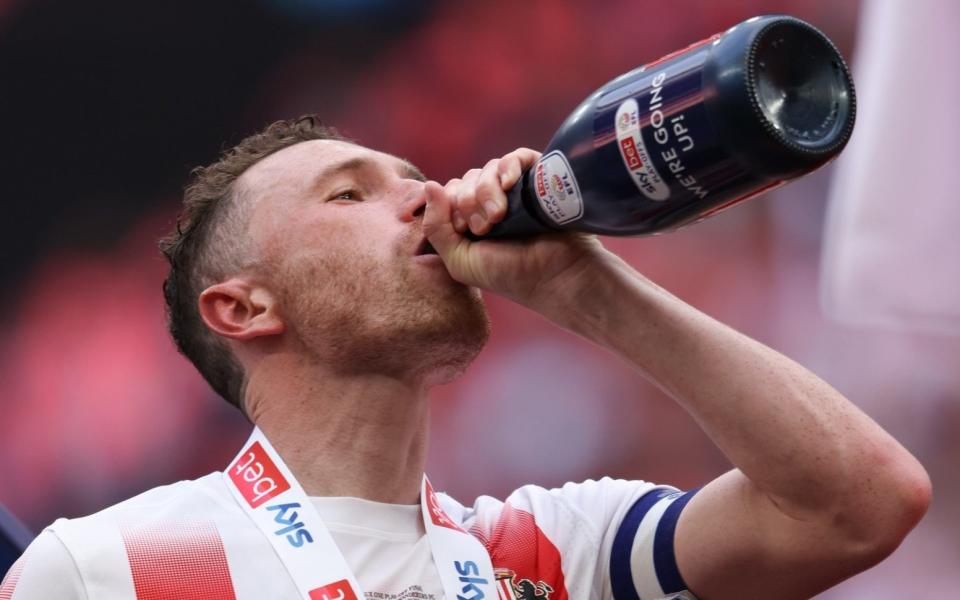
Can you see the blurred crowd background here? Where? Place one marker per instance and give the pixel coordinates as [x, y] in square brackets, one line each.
[108, 104]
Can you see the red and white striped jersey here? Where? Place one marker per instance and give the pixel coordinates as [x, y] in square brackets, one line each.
[191, 540]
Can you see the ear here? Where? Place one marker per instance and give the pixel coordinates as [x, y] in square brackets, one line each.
[239, 310]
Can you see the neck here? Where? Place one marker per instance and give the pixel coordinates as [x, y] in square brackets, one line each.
[361, 436]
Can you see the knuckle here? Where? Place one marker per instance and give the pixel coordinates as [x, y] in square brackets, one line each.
[511, 172]
[527, 155]
[487, 186]
[467, 200]
[485, 191]
[489, 198]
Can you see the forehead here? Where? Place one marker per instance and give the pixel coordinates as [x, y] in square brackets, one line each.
[298, 167]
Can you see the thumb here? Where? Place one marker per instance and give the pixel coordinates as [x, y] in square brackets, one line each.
[438, 222]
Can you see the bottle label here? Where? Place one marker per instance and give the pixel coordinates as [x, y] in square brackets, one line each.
[635, 155]
[658, 158]
[557, 189]
[664, 135]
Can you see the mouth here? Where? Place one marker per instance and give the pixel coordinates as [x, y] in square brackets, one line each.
[425, 248]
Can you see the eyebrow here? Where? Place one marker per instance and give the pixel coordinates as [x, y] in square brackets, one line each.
[407, 170]
[410, 171]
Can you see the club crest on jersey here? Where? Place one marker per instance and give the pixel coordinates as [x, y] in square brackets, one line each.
[290, 526]
[256, 476]
[511, 588]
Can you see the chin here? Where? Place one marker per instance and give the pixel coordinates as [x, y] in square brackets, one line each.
[443, 375]
[445, 364]
[444, 353]
[429, 342]
[394, 326]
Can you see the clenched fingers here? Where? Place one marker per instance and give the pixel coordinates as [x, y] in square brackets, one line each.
[480, 198]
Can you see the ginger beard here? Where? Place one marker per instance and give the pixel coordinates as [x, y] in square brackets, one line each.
[356, 313]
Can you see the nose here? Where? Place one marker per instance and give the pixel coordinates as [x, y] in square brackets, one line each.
[414, 203]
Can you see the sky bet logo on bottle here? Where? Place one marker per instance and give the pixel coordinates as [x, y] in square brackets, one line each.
[256, 476]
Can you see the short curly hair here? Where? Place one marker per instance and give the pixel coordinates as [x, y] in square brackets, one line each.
[209, 243]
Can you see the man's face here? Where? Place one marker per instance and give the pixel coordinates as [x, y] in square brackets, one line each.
[337, 229]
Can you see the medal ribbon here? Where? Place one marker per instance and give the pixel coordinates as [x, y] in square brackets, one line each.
[271, 496]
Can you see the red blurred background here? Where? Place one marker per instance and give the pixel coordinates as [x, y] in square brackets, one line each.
[108, 104]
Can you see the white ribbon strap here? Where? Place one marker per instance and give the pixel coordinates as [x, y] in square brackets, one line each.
[464, 564]
[271, 496]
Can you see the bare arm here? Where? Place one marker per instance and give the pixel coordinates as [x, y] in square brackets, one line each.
[820, 491]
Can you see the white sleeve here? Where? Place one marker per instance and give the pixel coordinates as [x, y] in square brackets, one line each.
[636, 521]
[46, 570]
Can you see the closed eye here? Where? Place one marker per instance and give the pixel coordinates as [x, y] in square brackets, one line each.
[347, 195]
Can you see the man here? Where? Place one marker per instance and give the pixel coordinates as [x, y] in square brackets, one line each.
[324, 288]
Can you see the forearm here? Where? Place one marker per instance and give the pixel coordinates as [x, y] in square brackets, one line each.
[820, 493]
[793, 436]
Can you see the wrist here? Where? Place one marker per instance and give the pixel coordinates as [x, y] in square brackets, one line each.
[582, 297]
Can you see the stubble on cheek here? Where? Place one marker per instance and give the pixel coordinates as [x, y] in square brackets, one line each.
[321, 296]
[360, 313]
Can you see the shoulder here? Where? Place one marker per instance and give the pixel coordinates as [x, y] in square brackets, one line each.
[555, 539]
[180, 501]
[590, 506]
[45, 570]
[107, 545]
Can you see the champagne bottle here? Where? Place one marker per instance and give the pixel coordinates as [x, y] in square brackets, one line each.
[693, 133]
